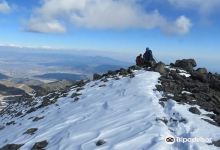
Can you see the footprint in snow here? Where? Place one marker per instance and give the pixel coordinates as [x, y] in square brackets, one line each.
[105, 105]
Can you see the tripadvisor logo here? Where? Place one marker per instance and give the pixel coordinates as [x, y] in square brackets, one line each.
[169, 139]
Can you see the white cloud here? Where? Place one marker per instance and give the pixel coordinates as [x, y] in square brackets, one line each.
[4, 7]
[46, 26]
[204, 7]
[181, 26]
[99, 14]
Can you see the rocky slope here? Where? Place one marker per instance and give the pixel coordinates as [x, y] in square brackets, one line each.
[12, 92]
[195, 87]
[132, 108]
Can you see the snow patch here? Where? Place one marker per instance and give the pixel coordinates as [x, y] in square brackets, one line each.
[186, 92]
[125, 113]
[185, 74]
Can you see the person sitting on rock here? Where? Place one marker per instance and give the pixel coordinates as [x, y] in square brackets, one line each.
[148, 58]
[139, 60]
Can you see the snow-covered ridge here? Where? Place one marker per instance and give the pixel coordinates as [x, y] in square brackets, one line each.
[124, 113]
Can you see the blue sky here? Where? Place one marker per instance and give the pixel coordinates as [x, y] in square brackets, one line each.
[172, 28]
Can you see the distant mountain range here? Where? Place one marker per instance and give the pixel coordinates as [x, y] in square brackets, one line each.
[27, 63]
[61, 76]
[87, 64]
[2, 76]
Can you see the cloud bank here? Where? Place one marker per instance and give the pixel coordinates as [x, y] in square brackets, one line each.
[203, 7]
[53, 16]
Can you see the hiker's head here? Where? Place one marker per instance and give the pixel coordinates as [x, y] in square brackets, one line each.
[140, 55]
[147, 49]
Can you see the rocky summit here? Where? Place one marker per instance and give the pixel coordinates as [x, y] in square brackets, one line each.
[196, 87]
[126, 109]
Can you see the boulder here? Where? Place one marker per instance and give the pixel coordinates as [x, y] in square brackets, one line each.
[216, 143]
[216, 110]
[217, 119]
[75, 95]
[46, 102]
[216, 99]
[135, 67]
[202, 88]
[187, 97]
[40, 145]
[37, 118]
[210, 121]
[31, 110]
[76, 99]
[31, 131]
[12, 147]
[104, 79]
[186, 64]
[159, 87]
[79, 89]
[200, 74]
[194, 110]
[172, 65]
[129, 71]
[215, 84]
[123, 72]
[202, 70]
[160, 67]
[10, 123]
[164, 120]
[112, 73]
[18, 114]
[96, 76]
[100, 142]
[176, 76]
[81, 83]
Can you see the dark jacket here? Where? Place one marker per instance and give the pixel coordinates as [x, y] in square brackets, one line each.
[148, 56]
[139, 60]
